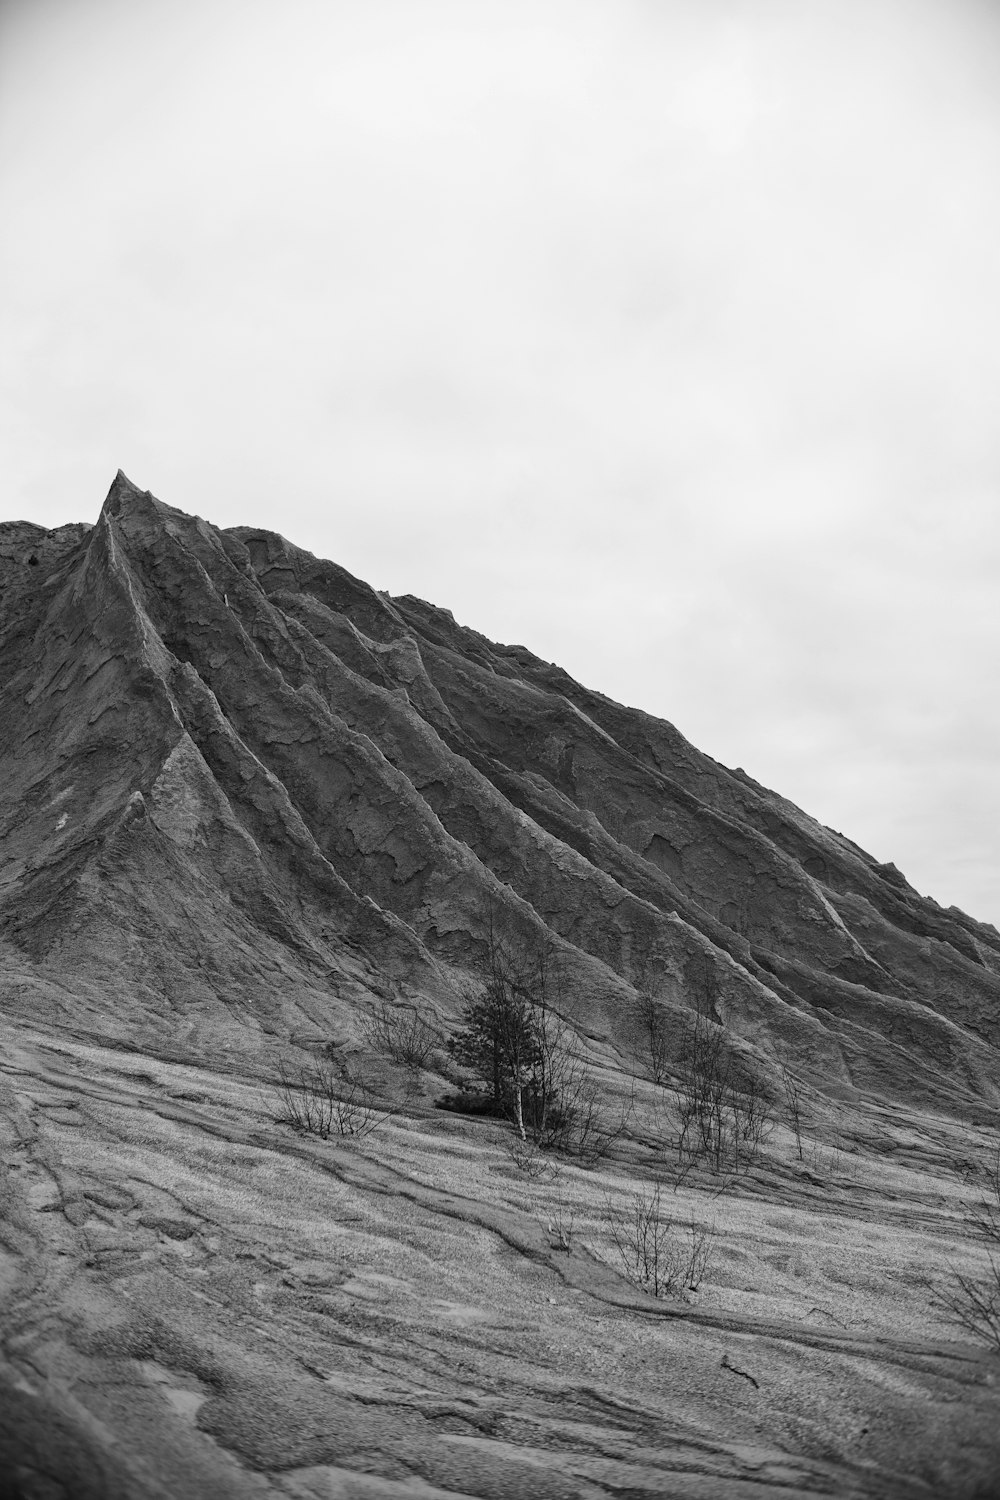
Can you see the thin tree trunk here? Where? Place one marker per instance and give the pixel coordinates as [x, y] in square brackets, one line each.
[518, 1112]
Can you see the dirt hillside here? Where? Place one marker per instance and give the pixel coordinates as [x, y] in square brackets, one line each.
[249, 807]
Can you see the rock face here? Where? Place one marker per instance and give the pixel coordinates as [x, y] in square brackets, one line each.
[241, 791]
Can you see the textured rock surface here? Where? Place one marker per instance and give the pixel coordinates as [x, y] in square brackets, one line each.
[242, 794]
[239, 782]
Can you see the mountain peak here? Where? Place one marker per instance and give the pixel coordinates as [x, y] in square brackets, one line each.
[121, 492]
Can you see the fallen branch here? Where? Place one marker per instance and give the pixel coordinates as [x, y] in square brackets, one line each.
[825, 1314]
[733, 1369]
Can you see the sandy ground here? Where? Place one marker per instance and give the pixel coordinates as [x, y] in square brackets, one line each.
[197, 1301]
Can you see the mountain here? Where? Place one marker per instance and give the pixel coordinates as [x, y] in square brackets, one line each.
[241, 783]
[243, 798]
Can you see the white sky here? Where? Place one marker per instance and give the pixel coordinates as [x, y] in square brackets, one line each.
[661, 337]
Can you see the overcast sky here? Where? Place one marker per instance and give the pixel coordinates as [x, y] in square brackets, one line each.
[661, 337]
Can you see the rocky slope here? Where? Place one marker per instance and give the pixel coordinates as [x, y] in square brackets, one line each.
[243, 795]
[242, 786]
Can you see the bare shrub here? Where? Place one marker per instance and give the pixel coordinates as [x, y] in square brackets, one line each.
[699, 1253]
[307, 1098]
[827, 1160]
[653, 1254]
[653, 1032]
[985, 1215]
[580, 1123]
[726, 1114]
[325, 1100]
[598, 1130]
[641, 1238]
[560, 1229]
[973, 1302]
[355, 1112]
[703, 1086]
[529, 1158]
[792, 1090]
[400, 1032]
[751, 1109]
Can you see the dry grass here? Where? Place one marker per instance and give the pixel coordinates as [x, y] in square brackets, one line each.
[415, 1265]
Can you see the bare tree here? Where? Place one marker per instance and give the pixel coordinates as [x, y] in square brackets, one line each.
[703, 1087]
[752, 1113]
[654, 1035]
[560, 1229]
[725, 1108]
[323, 1100]
[591, 1127]
[973, 1302]
[793, 1105]
[529, 1158]
[986, 1214]
[400, 1032]
[699, 1253]
[653, 1255]
[641, 1235]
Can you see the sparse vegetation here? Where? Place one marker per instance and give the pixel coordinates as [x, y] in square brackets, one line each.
[652, 1252]
[560, 1229]
[985, 1215]
[793, 1106]
[653, 1032]
[726, 1114]
[826, 1160]
[322, 1099]
[584, 1126]
[522, 1053]
[506, 1039]
[529, 1158]
[400, 1032]
[973, 1302]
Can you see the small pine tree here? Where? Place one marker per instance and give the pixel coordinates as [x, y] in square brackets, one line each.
[478, 1046]
[509, 1037]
